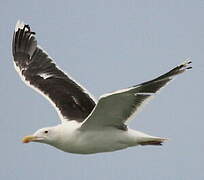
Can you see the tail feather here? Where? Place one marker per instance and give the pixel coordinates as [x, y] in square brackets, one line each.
[153, 141]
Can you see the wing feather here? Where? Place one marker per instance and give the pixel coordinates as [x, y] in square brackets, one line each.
[40, 72]
[116, 108]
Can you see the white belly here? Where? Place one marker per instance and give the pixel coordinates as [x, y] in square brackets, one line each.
[87, 142]
[71, 139]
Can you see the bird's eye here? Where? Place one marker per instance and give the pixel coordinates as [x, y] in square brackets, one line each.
[45, 132]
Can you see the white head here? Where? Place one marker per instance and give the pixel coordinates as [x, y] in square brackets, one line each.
[44, 135]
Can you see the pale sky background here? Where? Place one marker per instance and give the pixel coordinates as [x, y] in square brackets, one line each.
[108, 45]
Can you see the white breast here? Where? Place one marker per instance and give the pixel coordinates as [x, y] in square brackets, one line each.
[73, 140]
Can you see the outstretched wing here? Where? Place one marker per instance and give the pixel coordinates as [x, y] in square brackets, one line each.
[38, 70]
[116, 108]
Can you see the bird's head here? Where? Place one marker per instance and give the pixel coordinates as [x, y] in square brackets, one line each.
[44, 135]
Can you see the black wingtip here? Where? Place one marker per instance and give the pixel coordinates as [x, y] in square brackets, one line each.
[25, 27]
[189, 67]
[23, 40]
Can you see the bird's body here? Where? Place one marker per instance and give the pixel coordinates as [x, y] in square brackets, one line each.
[88, 126]
[74, 140]
[86, 142]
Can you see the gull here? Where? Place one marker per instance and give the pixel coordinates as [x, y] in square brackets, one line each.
[87, 126]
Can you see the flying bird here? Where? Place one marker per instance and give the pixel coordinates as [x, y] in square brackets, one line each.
[87, 126]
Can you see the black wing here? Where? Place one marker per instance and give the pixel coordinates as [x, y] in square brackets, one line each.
[40, 72]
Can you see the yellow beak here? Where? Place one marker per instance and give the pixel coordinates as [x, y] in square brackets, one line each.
[28, 139]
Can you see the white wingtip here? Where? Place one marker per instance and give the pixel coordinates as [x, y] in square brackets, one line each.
[19, 25]
[186, 62]
[185, 65]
